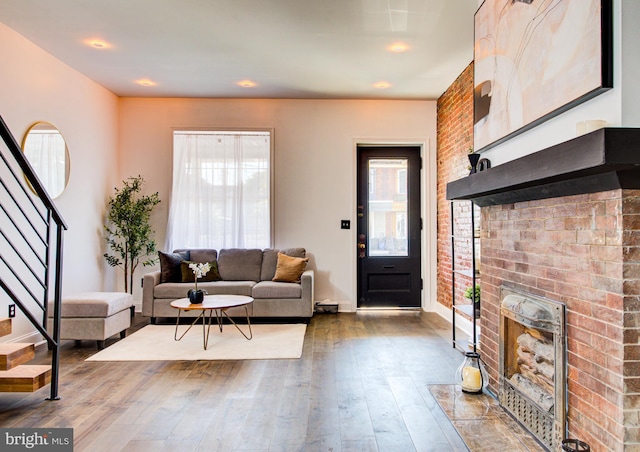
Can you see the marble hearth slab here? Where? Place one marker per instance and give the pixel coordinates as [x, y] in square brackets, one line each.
[481, 423]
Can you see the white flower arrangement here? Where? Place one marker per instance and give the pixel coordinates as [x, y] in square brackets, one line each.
[199, 270]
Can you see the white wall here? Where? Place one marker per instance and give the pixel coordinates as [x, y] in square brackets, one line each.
[619, 106]
[630, 64]
[314, 164]
[34, 86]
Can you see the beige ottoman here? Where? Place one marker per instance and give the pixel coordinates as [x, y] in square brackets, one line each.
[94, 316]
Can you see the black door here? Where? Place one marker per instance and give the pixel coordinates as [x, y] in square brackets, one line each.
[389, 227]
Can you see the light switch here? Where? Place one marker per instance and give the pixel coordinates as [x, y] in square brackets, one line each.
[345, 224]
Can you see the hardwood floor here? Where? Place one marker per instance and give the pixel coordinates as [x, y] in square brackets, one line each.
[362, 384]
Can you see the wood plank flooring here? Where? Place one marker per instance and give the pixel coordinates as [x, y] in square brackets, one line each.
[362, 384]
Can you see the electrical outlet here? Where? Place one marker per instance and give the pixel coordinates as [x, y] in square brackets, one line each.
[12, 310]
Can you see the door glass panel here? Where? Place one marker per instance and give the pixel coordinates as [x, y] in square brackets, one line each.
[387, 207]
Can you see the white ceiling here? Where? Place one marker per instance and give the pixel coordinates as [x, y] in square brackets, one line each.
[290, 48]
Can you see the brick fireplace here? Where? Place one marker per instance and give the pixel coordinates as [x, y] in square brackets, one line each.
[568, 229]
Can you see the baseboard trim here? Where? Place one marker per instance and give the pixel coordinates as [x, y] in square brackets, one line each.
[34, 337]
[462, 323]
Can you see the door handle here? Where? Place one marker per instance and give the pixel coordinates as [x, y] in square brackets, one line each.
[362, 245]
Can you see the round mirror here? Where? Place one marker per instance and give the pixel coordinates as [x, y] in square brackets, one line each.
[47, 152]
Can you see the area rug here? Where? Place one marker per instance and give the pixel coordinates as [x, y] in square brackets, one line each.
[156, 343]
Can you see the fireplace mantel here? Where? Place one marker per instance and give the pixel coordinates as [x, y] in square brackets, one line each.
[605, 159]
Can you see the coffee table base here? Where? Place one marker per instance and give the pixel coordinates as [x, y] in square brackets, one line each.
[206, 325]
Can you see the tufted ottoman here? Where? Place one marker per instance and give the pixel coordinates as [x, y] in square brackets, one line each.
[94, 316]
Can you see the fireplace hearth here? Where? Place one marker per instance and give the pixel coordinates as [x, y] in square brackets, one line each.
[532, 375]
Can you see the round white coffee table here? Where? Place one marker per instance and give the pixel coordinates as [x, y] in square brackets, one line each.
[217, 304]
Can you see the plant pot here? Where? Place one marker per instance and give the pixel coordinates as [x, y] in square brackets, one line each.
[196, 296]
[473, 160]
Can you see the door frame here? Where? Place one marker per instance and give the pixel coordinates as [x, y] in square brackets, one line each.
[428, 212]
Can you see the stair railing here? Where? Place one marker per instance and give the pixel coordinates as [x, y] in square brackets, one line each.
[31, 238]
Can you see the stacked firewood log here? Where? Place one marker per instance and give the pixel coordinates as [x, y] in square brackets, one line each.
[535, 358]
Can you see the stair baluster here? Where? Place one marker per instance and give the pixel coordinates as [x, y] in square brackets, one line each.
[26, 277]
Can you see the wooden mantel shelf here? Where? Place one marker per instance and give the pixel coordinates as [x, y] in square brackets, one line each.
[602, 160]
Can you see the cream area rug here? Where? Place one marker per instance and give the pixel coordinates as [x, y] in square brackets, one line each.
[156, 343]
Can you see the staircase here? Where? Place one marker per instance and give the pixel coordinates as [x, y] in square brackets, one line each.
[31, 232]
[15, 376]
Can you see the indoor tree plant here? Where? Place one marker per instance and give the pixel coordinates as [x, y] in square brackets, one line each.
[129, 233]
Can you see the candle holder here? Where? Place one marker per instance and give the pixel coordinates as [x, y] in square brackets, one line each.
[471, 375]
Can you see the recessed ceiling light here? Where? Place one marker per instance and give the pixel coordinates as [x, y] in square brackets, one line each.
[98, 43]
[398, 47]
[382, 85]
[246, 83]
[146, 82]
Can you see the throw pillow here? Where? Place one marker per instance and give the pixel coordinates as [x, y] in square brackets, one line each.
[188, 276]
[170, 266]
[290, 269]
[270, 260]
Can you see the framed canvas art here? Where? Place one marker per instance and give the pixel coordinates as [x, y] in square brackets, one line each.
[534, 59]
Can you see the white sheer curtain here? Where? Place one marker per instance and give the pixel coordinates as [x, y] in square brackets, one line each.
[221, 193]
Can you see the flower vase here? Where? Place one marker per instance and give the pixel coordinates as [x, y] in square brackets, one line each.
[473, 160]
[196, 296]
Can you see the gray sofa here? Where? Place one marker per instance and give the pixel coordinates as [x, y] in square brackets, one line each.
[242, 272]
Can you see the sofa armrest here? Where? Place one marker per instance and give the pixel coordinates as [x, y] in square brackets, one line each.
[149, 282]
[307, 283]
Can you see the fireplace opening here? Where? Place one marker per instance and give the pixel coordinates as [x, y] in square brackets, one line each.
[532, 386]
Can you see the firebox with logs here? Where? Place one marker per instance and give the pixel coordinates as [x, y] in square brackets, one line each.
[532, 380]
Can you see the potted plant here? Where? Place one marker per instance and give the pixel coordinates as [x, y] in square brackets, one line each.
[473, 295]
[196, 296]
[128, 229]
[473, 161]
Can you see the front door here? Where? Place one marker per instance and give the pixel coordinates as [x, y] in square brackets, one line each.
[389, 227]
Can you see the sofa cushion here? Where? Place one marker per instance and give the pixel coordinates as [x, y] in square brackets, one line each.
[289, 269]
[179, 290]
[270, 260]
[188, 275]
[200, 255]
[170, 265]
[171, 290]
[270, 289]
[240, 264]
[228, 287]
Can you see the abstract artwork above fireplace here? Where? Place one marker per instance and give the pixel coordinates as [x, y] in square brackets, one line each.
[535, 60]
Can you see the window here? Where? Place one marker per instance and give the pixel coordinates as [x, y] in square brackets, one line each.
[372, 181]
[387, 207]
[402, 182]
[221, 191]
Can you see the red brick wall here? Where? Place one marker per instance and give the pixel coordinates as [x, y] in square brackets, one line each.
[584, 251]
[454, 138]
